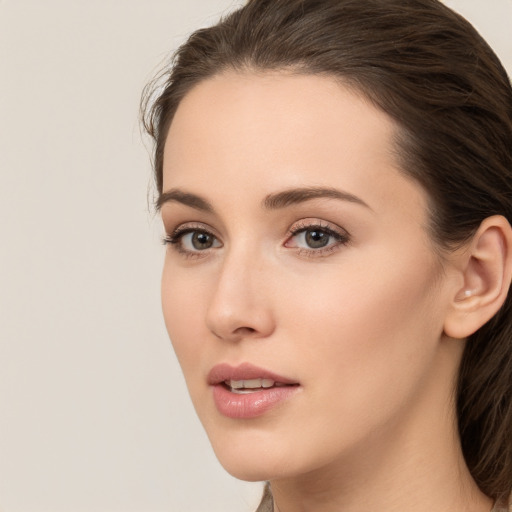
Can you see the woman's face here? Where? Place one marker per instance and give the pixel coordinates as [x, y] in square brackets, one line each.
[300, 288]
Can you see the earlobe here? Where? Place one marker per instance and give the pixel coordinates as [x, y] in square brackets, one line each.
[486, 267]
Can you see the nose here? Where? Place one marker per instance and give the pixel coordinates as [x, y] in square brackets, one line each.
[240, 306]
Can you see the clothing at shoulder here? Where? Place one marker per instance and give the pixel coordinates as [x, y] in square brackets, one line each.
[267, 504]
[503, 505]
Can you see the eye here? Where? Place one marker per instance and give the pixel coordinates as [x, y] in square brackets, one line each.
[192, 241]
[316, 239]
[198, 241]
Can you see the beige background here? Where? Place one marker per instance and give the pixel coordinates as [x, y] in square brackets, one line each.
[94, 414]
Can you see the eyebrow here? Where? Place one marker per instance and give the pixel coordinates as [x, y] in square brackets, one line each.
[299, 195]
[274, 201]
[186, 198]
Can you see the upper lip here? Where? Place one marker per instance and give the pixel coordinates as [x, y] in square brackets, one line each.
[245, 371]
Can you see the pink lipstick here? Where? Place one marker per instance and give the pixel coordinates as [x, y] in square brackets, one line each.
[246, 391]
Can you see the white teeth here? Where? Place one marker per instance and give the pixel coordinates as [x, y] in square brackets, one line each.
[236, 384]
[250, 384]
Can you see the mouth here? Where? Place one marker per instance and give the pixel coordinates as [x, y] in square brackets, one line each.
[242, 387]
[246, 376]
[246, 391]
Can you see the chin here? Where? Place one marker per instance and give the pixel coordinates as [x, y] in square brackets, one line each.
[256, 469]
[252, 457]
[248, 472]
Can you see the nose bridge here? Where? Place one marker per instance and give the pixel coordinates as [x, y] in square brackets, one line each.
[239, 305]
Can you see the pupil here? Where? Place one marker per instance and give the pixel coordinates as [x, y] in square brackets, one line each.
[201, 240]
[316, 239]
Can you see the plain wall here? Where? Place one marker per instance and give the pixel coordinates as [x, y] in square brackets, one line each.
[94, 414]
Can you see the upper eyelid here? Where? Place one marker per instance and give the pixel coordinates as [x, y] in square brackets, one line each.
[320, 227]
[297, 226]
[305, 224]
[185, 227]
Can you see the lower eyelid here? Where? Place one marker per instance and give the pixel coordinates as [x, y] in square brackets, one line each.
[319, 253]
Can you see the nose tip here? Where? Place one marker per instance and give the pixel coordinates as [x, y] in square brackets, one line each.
[240, 307]
[236, 323]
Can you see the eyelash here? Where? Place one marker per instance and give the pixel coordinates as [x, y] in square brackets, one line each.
[175, 240]
[341, 237]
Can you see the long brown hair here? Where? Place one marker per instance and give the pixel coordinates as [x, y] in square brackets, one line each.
[430, 70]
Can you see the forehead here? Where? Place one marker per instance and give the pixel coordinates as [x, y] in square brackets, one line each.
[261, 132]
[248, 112]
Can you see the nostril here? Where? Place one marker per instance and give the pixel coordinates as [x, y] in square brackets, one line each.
[245, 330]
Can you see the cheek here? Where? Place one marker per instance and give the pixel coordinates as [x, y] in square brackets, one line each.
[364, 349]
[371, 333]
[184, 314]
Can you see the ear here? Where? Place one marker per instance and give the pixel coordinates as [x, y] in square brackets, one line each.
[486, 269]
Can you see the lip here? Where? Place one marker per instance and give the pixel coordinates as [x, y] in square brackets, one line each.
[250, 405]
[244, 371]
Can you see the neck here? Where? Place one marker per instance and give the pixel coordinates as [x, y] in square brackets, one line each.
[414, 464]
[387, 482]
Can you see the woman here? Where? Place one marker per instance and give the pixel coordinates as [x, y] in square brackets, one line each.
[335, 182]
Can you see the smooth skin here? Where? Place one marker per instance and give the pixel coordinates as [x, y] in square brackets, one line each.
[343, 292]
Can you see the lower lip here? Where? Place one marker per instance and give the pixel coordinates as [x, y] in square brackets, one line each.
[249, 405]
